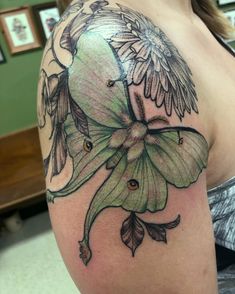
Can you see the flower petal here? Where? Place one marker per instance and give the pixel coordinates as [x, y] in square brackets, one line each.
[128, 55]
[116, 45]
[130, 71]
[155, 86]
[125, 53]
[164, 80]
[168, 103]
[160, 97]
[155, 59]
[52, 85]
[172, 80]
[157, 51]
[140, 71]
[125, 37]
[143, 53]
[137, 46]
[164, 64]
[148, 82]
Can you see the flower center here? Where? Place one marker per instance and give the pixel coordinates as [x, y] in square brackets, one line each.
[155, 40]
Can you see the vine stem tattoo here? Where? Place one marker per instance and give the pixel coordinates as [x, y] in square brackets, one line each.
[94, 122]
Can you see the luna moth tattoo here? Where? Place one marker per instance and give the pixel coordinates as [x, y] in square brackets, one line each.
[95, 123]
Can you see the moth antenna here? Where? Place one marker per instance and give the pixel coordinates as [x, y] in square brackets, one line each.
[159, 118]
[181, 139]
[110, 83]
[140, 105]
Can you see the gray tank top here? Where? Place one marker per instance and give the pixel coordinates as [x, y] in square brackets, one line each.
[222, 206]
[222, 198]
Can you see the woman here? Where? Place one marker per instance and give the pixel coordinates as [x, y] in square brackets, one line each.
[131, 109]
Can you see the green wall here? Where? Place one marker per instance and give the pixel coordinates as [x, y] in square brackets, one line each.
[18, 82]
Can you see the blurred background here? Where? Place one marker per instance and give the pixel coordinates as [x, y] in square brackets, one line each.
[29, 259]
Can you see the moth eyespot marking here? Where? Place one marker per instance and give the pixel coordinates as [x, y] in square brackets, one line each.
[87, 146]
[133, 185]
[181, 141]
[110, 83]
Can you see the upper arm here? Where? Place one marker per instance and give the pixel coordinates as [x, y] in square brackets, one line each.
[125, 174]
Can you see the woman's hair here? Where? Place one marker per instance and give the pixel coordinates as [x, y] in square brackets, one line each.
[212, 17]
[62, 4]
[205, 9]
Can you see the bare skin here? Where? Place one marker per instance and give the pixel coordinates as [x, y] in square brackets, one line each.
[187, 263]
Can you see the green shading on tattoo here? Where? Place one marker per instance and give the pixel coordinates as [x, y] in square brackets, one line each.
[94, 122]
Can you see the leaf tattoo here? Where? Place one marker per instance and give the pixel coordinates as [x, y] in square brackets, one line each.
[132, 232]
[158, 231]
[94, 122]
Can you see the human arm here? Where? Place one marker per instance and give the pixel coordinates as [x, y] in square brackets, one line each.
[125, 174]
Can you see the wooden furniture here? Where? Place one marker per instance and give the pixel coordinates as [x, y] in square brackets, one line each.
[21, 170]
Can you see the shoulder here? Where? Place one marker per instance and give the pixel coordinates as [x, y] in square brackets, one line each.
[111, 58]
[115, 91]
[145, 53]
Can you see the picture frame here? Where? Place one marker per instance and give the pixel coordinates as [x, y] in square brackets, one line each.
[19, 29]
[230, 14]
[2, 56]
[225, 2]
[47, 15]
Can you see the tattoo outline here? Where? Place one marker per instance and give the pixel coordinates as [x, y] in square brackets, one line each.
[109, 133]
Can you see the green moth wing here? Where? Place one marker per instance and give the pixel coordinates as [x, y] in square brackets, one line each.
[136, 186]
[94, 66]
[106, 108]
[88, 154]
[172, 156]
[179, 156]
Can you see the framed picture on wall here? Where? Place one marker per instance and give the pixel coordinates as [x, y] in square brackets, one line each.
[19, 29]
[2, 56]
[224, 2]
[47, 16]
[230, 14]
